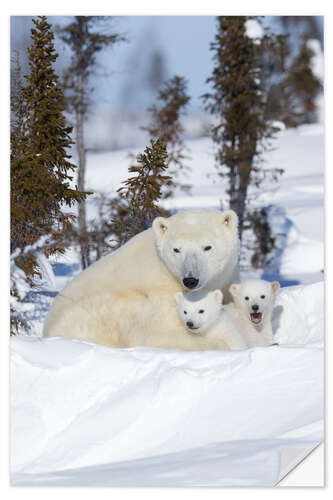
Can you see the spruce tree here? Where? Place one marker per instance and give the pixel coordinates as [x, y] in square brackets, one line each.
[166, 123]
[156, 71]
[292, 97]
[139, 197]
[238, 101]
[300, 26]
[41, 167]
[85, 38]
[264, 241]
[40, 164]
[300, 88]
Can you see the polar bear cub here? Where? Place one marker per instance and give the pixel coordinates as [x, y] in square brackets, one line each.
[251, 309]
[202, 312]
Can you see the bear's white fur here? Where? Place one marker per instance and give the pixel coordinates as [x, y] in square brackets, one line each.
[252, 307]
[203, 313]
[126, 298]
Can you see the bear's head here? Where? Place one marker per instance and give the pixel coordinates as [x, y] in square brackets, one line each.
[199, 310]
[255, 298]
[197, 245]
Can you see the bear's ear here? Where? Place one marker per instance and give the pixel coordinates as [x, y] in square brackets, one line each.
[160, 225]
[178, 297]
[230, 219]
[218, 296]
[275, 286]
[233, 289]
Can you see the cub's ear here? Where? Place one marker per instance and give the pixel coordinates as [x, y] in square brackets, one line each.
[218, 296]
[275, 286]
[160, 226]
[230, 219]
[178, 297]
[233, 289]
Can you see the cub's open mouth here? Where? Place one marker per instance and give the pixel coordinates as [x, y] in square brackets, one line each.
[256, 318]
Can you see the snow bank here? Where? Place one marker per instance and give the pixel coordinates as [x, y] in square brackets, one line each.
[84, 414]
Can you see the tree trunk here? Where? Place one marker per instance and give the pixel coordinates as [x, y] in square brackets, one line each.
[232, 174]
[81, 174]
[244, 171]
[232, 191]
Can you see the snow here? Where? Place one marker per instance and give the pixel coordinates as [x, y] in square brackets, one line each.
[47, 280]
[296, 320]
[278, 125]
[317, 60]
[18, 282]
[253, 29]
[84, 414]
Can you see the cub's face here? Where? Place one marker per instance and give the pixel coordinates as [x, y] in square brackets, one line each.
[196, 247]
[199, 310]
[255, 298]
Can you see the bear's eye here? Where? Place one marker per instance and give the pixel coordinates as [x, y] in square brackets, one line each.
[201, 311]
[208, 247]
[185, 312]
[176, 250]
[263, 296]
[246, 298]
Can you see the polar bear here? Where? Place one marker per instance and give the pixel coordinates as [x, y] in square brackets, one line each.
[126, 298]
[203, 313]
[252, 307]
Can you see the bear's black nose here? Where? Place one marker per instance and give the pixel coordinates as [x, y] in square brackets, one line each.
[255, 307]
[189, 324]
[190, 282]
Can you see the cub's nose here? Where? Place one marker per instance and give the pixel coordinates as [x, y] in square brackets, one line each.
[189, 324]
[255, 307]
[190, 282]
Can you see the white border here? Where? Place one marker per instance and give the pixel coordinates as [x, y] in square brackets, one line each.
[142, 7]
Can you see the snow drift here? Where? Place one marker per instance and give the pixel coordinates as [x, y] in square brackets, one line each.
[84, 414]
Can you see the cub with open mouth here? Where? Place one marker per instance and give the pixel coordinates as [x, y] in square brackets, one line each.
[252, 307]
[202, 313]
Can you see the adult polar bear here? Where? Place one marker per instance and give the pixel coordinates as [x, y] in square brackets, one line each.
[126, 299]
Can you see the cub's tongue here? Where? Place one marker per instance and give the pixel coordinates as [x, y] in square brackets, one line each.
[256, 317]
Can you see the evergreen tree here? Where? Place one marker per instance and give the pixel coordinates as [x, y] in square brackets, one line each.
[300, 88]
[99, 229]
[40, 165]
[138, 203]
[165, 122]
[300, 26]
[264, 241]
[238, 100]
[292, 98]
[85, 39]
[156, 71]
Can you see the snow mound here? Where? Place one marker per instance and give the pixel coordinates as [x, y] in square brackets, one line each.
[299, 315]
[84, 414]
[302, 254]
